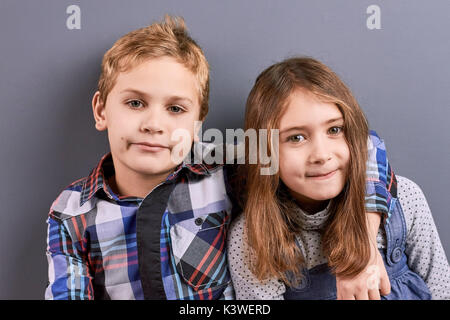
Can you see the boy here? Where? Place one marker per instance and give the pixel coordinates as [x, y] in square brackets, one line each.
[142, 226]
[154, 80]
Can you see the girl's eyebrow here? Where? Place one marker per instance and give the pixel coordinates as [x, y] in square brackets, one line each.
[292, 129]
[334, 120]
[299, 128]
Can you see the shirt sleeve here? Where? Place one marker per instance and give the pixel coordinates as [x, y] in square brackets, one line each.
[426, 256]
[381, 182]
[228, 293]
[246, 285]
[68, 270]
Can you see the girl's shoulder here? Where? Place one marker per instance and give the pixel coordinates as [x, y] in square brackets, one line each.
[413, 202]
[409, 193]
[237, 226]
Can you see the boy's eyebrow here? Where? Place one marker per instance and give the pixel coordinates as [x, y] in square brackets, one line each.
[133, 91]
[172, 98]
[178, 98]
[299, 128]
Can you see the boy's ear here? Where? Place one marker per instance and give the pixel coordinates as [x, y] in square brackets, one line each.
[98, 108]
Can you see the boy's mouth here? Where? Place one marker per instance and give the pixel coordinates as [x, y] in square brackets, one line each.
[150, 147]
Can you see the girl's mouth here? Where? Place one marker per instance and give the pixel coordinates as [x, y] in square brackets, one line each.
[320, 175]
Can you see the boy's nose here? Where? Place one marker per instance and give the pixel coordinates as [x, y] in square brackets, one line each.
[151, 123]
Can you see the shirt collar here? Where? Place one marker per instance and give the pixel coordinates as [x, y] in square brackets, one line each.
[194, 160]
[97, 179]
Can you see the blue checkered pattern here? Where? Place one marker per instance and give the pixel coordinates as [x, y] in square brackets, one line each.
[92, 246]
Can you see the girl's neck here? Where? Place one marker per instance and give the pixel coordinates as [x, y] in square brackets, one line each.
[313, 208]
[309, 206]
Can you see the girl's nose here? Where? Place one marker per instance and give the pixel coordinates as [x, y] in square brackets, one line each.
[320, 152]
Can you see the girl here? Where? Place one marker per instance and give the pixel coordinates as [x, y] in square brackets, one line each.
[305, 227]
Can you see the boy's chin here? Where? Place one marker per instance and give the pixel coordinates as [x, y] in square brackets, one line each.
[156, 171]
[154, 168]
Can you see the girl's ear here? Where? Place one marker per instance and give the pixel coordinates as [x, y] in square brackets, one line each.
[98, 109]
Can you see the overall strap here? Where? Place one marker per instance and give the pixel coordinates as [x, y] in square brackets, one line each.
[396, 231]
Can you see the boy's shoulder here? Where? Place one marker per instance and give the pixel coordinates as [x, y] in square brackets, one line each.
[216, 163]
[68, 203]
[375, 141]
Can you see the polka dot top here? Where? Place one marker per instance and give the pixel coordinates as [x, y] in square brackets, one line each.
[425, 253]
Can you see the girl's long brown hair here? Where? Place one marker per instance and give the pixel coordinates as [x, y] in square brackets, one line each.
[270, 225]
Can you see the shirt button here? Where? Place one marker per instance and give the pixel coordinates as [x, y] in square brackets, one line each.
[396, 255]
[199, 221]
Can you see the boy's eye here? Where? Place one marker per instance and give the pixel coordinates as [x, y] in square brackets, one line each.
[296, 138]
[175, 109]
[135, 104]
[335, 130]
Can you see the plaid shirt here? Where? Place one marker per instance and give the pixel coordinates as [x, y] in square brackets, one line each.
[96, 238]
[93, 244]
[381, 184]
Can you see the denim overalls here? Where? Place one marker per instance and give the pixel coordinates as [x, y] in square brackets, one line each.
[319, 283]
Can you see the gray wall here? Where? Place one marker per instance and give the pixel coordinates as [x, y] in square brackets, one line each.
[399, 73]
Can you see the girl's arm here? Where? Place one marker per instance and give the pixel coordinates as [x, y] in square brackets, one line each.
[424, 250]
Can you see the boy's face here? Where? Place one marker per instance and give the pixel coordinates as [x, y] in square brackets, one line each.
[145, 106]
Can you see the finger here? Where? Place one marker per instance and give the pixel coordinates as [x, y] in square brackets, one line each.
[344, 294]
[362, 295]
[385, 284]
[340, 292]
[374, 295]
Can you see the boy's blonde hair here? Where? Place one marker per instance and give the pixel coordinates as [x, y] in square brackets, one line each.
[168, 38]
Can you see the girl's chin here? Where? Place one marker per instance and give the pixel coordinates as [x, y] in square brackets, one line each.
[324, 196]
[315, 198]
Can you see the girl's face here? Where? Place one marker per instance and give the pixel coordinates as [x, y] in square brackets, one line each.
[314, 155]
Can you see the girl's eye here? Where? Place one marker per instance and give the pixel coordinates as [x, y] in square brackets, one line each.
[335, 130]
[296, 138]
[135, 104]
[175, 109]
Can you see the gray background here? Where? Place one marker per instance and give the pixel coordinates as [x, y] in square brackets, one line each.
[400, 75]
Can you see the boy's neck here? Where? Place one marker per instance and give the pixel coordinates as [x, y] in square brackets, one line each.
[129, 183]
